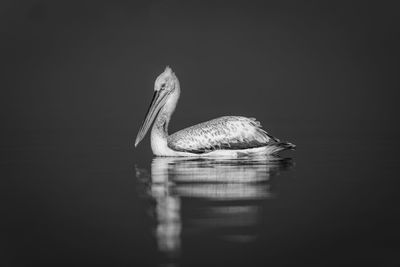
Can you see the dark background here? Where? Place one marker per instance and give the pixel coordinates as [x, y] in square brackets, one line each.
[85, 64]
[77, 76]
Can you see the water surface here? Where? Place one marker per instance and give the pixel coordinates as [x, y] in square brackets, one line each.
[94, 200]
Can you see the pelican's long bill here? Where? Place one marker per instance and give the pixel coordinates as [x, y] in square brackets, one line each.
[158, 101]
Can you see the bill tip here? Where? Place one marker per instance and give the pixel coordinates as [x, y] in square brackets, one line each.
[136, 142]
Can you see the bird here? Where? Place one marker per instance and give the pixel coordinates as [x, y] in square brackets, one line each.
[227, 136]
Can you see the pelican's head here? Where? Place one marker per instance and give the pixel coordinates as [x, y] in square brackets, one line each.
[166, 81]
[166, 92]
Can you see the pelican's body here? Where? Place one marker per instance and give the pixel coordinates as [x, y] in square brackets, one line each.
[230, 136]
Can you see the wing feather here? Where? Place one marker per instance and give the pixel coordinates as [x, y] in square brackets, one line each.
[229, 132]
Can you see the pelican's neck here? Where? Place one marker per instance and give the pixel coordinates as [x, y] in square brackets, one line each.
[159, 132]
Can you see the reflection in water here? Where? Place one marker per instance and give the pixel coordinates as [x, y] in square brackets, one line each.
[229, 193]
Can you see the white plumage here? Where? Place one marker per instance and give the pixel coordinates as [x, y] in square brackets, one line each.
[225, 136]
[230, 132]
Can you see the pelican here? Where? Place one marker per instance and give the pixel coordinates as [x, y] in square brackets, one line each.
[229, 136]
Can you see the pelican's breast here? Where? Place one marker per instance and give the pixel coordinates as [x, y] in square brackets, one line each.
[229, 132]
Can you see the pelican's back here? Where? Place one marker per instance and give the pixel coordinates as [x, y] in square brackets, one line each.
[229, 132]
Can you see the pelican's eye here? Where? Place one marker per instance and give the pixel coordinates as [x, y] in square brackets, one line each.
[162, 86]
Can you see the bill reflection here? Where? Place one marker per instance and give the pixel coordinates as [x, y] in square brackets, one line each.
[197, 196]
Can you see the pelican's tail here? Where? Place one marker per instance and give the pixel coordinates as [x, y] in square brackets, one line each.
[280, 146]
